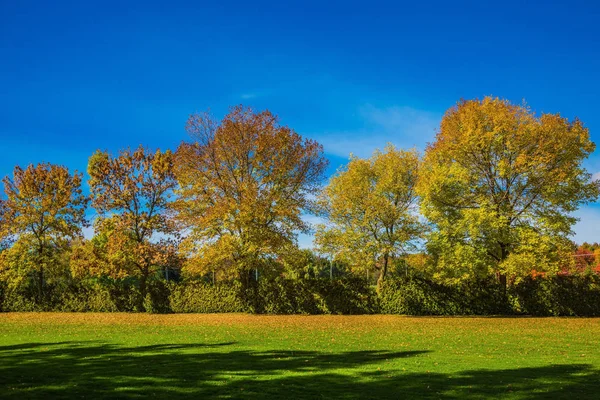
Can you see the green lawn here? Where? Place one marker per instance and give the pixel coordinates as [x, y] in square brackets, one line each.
[254, 357]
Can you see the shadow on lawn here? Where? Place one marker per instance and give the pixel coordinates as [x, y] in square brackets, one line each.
[96, 370]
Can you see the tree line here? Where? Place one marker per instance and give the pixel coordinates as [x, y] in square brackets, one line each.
[492, 196]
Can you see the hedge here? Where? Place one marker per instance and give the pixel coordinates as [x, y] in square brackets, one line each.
[416, 296]
[576, 295]
[554, 296]
[351, 295]
[559, 296]
[201, 297]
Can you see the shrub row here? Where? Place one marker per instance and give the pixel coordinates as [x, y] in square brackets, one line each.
[555, 296]
[201, 297]
[415, 296]
[558, 296]
[351, 295]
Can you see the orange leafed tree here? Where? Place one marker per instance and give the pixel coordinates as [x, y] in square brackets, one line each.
[244, 183]
[44, 211]
[131, 194]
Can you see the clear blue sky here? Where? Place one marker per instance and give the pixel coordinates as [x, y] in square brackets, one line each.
[82, 75]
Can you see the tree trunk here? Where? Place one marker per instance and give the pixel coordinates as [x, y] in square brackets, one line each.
[383, 272]
[503, 283]
[40, 284]
[143, 291]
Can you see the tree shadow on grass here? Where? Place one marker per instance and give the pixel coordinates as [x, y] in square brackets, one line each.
[100, 370]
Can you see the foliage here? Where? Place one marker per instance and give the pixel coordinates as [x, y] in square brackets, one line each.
[276, 296]
[371, 210]
[44, 210]
[567, 295]
[559, 295]
[201, 297]
[587, 258]
[418, 296]
[244, 184]
[500, 184]
[313, 296]
[131, 192]
[88, 297]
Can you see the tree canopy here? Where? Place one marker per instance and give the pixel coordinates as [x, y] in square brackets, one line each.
[44, 211]
[372, 211]
[131, 193]
[500, 184]
[244, 183]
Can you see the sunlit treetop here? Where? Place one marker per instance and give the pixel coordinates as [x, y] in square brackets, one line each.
[500, 182]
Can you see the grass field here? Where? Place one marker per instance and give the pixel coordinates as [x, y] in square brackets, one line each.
[256, 357]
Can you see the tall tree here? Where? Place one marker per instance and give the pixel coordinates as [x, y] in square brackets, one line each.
[131, 192]
[44, 210]
[244, 184]
[500, 183]
[372, 211]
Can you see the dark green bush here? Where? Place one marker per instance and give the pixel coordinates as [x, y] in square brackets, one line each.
[417, 296]
[157, 300]
[92, 297]
[201, 297]
[575, 295]
[553, 296]
[350, 295]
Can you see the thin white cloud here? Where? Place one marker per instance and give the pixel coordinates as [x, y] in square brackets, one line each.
[406, 127]
[596, 176]
[248, 96]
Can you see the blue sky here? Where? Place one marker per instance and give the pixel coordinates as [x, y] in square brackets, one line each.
[82, 75]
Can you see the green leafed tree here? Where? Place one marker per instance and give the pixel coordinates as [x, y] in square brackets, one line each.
[371, 211]
[500, 183]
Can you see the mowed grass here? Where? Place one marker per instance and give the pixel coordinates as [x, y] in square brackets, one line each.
[53, 355]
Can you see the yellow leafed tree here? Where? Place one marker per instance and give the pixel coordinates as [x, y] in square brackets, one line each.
[500, 184]
[244, 183]
[44, 212]
[372, 211]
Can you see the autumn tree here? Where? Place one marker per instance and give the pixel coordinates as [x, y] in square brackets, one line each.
[44, 211]
[131, 192]
[500, 184]
[371, 210]
[244, 183]
[587, 257]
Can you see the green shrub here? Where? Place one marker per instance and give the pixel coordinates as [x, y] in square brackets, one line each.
[313, 296]
[575, 295]
[417, 296]
[553, 296]
[157, 300]
[201, 297]
[84, 298]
